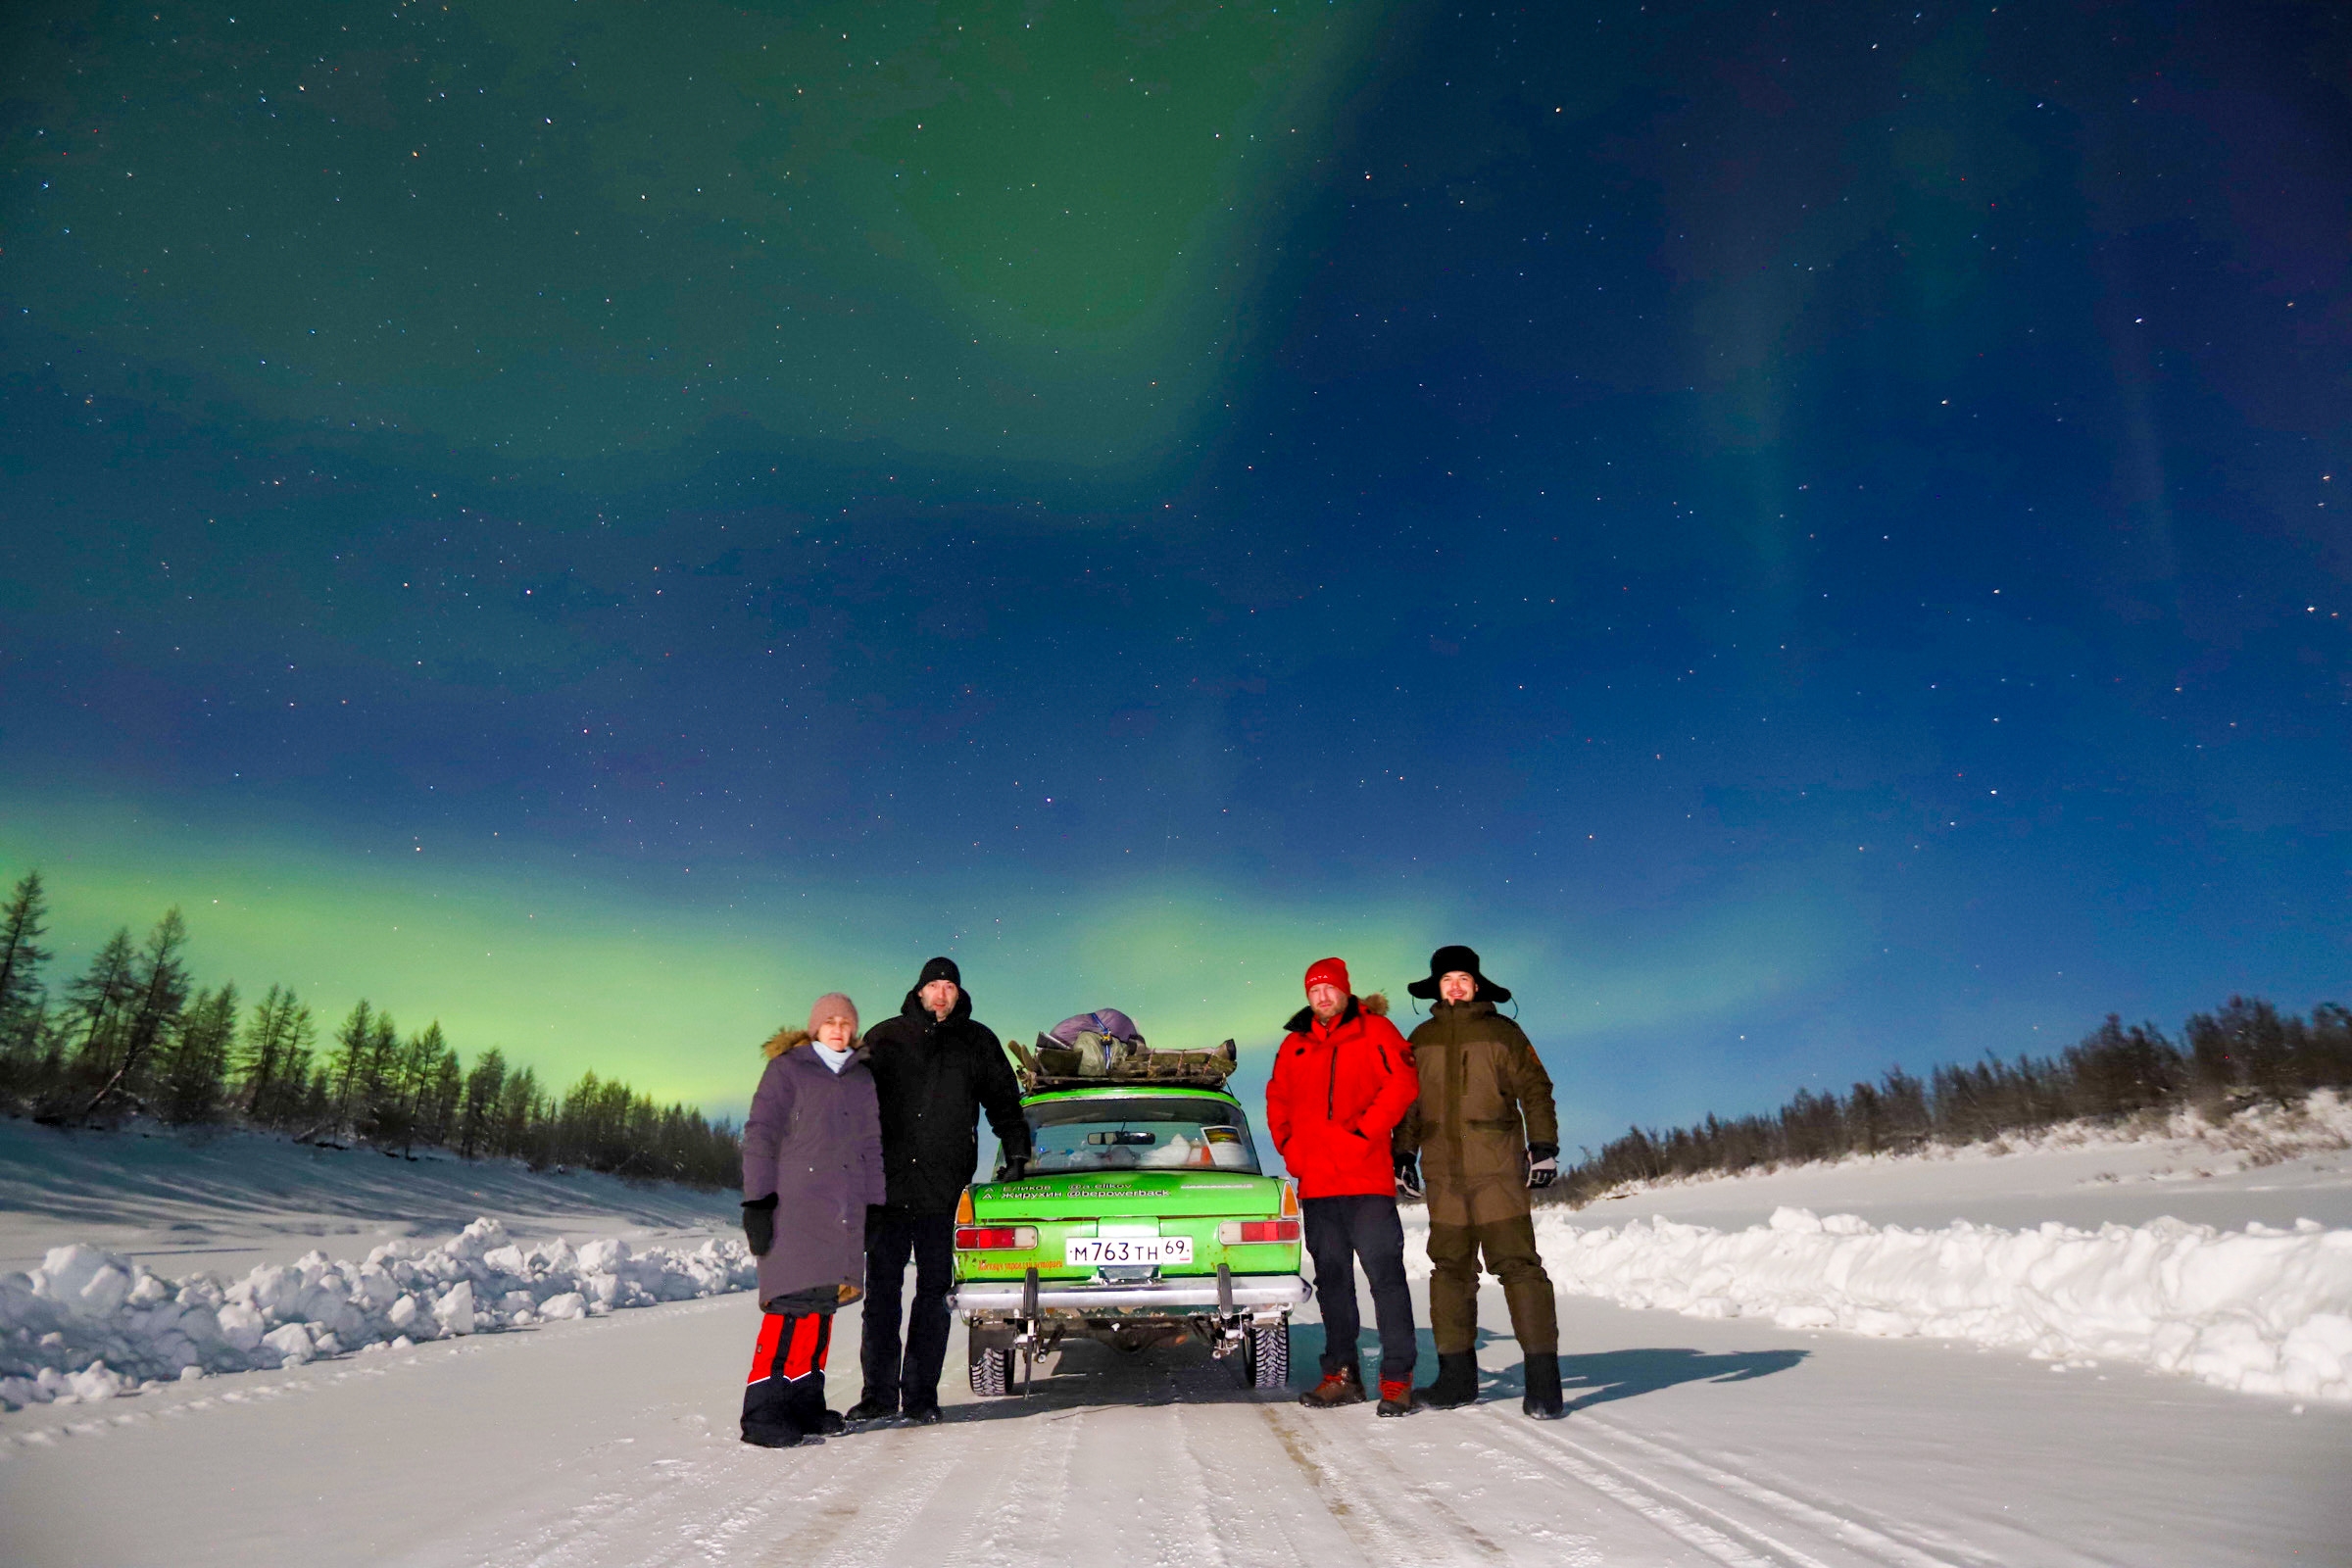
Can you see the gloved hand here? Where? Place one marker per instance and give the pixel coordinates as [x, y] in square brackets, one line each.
[759, 1224]
[1543, 1164]
[1016, 1167]
[1409, 1174]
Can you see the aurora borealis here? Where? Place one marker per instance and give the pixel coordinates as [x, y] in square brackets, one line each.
[1812, 540]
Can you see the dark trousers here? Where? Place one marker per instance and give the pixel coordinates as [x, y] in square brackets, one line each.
[892, 1236]
[785, 1394]
[1340, 1233]
[1509, 1246]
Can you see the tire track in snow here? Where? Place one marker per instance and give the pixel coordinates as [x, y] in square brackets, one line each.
[1695, 1524]
[1008, 1530]
[1719, 1531]
[1432, 1532]
[1854, 1526]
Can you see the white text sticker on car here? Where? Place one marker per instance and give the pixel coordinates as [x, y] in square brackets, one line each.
[1095, 1252]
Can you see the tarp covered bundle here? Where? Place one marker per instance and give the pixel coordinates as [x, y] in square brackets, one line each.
[1105, 1043]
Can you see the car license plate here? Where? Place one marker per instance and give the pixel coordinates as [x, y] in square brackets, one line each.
[1095, 1252]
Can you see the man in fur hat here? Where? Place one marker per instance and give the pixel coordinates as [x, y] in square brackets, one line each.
[1342, 1077]
[1485, 1131]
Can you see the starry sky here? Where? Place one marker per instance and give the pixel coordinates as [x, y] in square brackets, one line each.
[1814, 537]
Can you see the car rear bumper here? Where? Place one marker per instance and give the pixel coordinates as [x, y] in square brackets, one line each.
[1192, 1292]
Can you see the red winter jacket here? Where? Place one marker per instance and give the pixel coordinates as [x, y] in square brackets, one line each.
[1337, 1090]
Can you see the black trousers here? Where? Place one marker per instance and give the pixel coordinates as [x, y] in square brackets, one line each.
[1340, 1233]
[909, 1382]
[785, 1394]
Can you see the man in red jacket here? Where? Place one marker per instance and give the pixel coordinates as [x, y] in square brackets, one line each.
[1342, 1078]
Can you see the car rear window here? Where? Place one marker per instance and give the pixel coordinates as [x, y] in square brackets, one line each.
[1150, 1131]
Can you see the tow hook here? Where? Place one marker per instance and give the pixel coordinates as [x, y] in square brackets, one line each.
[1025, 1337]
[1229, 1326]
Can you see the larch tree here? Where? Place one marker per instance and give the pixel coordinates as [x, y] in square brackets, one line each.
[22, 924]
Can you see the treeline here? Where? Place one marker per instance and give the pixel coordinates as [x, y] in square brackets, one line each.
[134, 1033]
[2244, 1055]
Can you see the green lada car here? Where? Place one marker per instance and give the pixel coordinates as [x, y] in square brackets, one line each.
[1144, 1219]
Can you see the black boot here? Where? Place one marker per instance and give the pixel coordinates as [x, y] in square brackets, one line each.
[1456, 1384]
[1543, 1401]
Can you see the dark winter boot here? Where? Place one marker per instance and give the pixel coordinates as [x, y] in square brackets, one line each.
[1543, 1399]
[780, 1436]
[1456, 1384]
[873, 1407]
[1344, 1387]
[1395, 1396]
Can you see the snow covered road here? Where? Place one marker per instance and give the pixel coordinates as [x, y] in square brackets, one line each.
[611, 1441]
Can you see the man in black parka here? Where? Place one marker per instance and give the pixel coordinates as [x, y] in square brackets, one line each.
[936, 1069]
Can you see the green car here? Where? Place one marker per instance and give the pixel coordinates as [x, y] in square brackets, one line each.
[1144, 1219]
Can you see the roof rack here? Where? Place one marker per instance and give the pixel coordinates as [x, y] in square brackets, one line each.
[1096, 1059]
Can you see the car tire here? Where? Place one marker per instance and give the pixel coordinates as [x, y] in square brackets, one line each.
[1266, 1356]
[992, 1372]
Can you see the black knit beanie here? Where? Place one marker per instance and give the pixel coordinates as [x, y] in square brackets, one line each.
[941, 969]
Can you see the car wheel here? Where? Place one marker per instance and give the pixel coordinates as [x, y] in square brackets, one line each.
[1266, 1356]
[992, 1372]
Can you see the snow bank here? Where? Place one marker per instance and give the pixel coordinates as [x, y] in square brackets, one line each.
[2263, 1310]
[90, 1325]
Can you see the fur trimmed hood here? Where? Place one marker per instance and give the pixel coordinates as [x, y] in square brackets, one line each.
[1376, 1005]
[793, 1036]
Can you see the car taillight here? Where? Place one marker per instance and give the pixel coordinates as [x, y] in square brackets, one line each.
[993, 1238]
[1240, 1231]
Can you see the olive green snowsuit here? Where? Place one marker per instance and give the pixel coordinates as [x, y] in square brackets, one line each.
[1485, 1096]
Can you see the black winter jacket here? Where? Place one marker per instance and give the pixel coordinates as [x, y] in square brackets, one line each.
[935, 1076]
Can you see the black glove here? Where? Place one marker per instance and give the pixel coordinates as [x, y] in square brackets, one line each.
[1543, 1164]
[759, 1224]
[1409, 1174]
[1016, 1166]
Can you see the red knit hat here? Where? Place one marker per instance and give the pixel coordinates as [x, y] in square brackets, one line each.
[1329, 973]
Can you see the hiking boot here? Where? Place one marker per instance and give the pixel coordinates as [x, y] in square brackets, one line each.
[871, 1409]
[1395, 1396]
[1344, 1387]
[1543, 1401]
[1456, 1384]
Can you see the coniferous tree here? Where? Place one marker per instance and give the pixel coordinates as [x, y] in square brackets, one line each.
[195, 1072]
[275, 1057]
[97, 1001]
[22, 924]
[440, 1101]
[159, 989]
[419, 1063]
[347, 1064]
[485, 1091]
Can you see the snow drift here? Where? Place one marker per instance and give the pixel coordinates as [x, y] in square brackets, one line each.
[2263, 1310]
[90, 1324]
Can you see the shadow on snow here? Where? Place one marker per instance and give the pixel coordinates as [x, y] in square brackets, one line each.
[1084, 1375]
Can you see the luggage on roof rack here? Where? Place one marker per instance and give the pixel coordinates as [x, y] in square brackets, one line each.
[1095, 1059]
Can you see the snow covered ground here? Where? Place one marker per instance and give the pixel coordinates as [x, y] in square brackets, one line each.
[1757, 1439]
[611, 1441]
[2272, 1168]
[225, 1202]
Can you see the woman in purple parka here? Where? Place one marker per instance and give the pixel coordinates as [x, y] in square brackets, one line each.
[812, 1157]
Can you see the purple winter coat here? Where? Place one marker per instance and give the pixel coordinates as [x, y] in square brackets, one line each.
[814, 1138]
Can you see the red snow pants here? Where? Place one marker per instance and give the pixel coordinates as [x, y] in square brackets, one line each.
[784, 1397]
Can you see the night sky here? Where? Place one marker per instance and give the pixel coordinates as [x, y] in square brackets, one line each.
[1814, 538]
